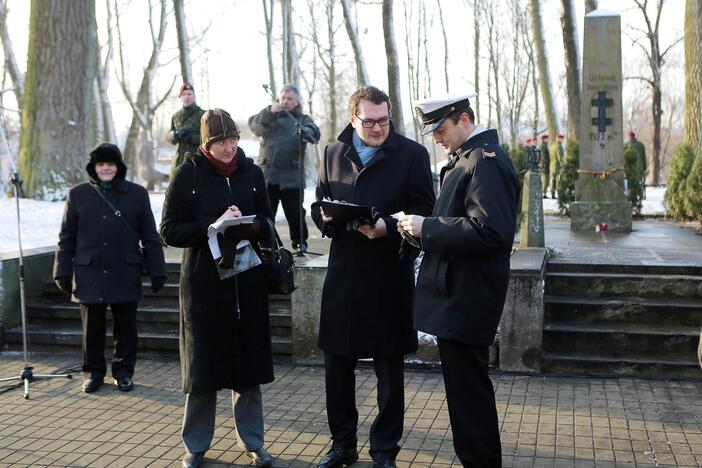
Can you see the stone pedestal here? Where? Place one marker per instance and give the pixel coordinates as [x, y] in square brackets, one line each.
[599, 191]
[531, 232]
[521, 325]
[306, 301]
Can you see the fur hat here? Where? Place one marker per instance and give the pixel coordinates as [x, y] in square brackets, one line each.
[185, 87]
[106, 152]
[217, 125]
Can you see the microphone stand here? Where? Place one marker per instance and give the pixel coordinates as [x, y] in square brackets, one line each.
[302, 249]
[26, 375]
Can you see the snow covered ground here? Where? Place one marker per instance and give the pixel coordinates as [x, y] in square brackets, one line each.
[41, 220]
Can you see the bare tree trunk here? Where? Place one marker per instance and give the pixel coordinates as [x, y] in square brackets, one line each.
[590, 5]
[529, 45]
[393, 66]
[476, 57]
[443, 33]
[544, 73]
[10, 61]
[361, 74]
[493, 52]
[57, 125]
[693, 73]
[268, 16]
[412, 79]
[102, 79]
[183, 41]
[333, 117]
[291, 64]
[572, 65]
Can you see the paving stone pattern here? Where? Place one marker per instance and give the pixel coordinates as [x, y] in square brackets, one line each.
[545, 421]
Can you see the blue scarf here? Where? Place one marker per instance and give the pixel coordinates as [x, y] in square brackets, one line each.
[364, 151]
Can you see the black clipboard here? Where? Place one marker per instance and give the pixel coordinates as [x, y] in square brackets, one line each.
[343, 212]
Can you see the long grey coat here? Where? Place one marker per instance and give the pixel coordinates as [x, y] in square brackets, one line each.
[225, 337]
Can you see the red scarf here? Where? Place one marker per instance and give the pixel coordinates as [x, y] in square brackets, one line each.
[222, 168]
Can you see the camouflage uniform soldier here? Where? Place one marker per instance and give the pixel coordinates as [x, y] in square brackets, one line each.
[641, 150]
[185, 126]
[556, 162]
[545, 164]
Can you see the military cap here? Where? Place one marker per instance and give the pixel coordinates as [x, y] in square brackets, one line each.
[433, 111]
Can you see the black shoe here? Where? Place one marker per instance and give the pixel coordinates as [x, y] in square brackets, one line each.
[193, 460]
[124, 384]
[92, 383]
[300, 248]
[339, 456]
[260, 457]
[383, 463]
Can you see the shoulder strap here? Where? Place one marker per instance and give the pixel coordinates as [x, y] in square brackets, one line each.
[115, 211]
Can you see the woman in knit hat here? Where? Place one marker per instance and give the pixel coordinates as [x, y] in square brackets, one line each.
[225, 339]
[98, 262]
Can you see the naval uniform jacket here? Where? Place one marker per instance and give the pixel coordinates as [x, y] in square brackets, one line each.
[467, 243]
[367, 294]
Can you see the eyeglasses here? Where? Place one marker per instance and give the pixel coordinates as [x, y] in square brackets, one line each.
[370, 123]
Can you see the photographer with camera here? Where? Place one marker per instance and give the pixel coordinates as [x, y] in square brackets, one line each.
[185, 126]
[279, 156]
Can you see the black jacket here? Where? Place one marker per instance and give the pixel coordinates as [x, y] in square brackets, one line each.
[99, 251]
[366, 300]
[467, 243]
[225, 338]
[279, 154]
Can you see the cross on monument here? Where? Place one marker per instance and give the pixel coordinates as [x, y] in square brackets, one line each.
[602, 104]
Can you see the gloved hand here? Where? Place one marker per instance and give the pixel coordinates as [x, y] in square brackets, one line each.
[183, 134]
[64, 284]
[308, 135]
[157, 283]
[243, 231]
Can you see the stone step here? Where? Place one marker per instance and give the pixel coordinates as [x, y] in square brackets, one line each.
[585, 364]
[71, 335]
[555, 265]
[623, 285]
[583, 310]
[628, 340]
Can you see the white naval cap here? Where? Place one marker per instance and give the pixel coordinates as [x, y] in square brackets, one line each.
[433, 111]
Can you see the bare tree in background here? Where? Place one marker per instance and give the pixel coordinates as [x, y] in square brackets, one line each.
[291, 60]
[183, 41]
[516, 70]
[58, 128]
[572, 66]
[10, 60]
[412, 69]
[139, 147]
[693, 73]
[542, 63]
[655, 61]
[361, 74]
[106, 123]
[494, 53]
[446, 54]
[590, 5]
[268, 17]
[476, 56]
[393, 66]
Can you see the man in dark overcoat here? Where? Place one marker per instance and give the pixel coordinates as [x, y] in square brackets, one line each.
[367, 294]
[280, 157]
[463, 279]
[98, 262]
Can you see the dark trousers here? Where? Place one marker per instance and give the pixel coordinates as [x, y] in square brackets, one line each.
[471, 404]
[290, 198]
[386, 430]
[124, 336]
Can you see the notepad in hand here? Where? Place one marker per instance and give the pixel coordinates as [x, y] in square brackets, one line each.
[343, 212]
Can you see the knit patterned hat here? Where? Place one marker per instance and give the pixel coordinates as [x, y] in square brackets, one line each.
[217, 125]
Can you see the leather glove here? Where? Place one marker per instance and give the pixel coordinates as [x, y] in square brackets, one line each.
[308, 135]
[64, 284]
[243, 231]
[183, 133]
[157, 283]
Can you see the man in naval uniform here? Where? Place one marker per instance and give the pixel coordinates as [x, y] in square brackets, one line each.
[462, 283]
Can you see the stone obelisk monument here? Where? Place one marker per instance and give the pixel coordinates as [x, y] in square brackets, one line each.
[600, 191]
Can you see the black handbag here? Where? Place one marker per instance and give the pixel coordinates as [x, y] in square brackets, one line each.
[140, 250]
[277, 261]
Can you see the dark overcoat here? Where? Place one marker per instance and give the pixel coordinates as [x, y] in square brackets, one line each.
[279, 153]
[467, 243]
[98, 250]
[367, 296]
[225, 338]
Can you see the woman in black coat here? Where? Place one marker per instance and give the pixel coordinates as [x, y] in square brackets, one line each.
[225, 340]
[98, 262]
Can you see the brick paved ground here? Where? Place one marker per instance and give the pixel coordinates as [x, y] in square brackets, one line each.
[545, 421]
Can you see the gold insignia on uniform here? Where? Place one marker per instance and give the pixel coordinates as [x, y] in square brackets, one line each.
[487, 154]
